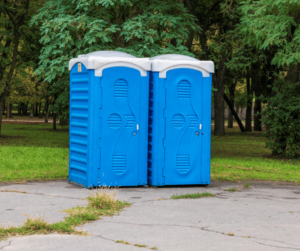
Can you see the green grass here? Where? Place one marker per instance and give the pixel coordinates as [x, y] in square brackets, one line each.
[238, 157]
[247, 185]
[192, 196]
[77, 216]
[140, 245]
[31, 152]
[232, 190]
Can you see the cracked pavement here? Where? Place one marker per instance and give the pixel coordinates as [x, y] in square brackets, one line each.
[263, 217]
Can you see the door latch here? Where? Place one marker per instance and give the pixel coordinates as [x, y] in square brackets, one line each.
[137, 127]
[200, 126]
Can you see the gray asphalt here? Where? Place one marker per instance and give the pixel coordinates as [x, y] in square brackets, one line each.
[263, 217]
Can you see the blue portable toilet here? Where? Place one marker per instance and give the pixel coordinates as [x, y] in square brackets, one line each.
[179, 121]
[109, 93]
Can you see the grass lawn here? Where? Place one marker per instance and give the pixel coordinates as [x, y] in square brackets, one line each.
[31, 152]
[238, 157]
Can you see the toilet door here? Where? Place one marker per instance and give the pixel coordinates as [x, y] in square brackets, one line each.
[119, 126]
[183, 115]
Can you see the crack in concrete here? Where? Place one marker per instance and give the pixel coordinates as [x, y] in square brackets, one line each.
[204, 229]
[277, 246]
[52, 195]
[6, 245]
[100, 236]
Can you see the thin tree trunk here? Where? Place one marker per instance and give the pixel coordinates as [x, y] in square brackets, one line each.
[25, 108]
[230, 115]
[231, 107]
[31, 110]
[249, 106]
[8, 111]
[19, 109]
[3, 109]
[54, 121]
[46, 109]
[257, 118]
[2, 96]
[41, 112]
[189, 41]
[218, 78]
[36, 109]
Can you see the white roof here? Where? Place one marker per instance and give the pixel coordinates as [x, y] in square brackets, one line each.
[164, 63]
[100, 60]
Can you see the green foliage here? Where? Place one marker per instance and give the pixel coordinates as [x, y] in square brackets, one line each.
[281, 118]
[139, 27]
[267, 23]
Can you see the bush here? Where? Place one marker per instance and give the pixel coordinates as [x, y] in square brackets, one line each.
[282, 120]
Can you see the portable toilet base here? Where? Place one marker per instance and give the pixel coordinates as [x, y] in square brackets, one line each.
[108, 119]
[179, 121]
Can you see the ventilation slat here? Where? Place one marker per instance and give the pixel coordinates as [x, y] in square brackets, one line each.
[183, 163]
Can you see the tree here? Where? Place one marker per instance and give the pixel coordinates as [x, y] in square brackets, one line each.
[14, 30]
[276, 24]
[139, 27]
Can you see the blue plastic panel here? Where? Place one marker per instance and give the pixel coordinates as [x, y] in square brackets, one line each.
[121, 128]
[108, 127]
[179, 151]
[80, 128]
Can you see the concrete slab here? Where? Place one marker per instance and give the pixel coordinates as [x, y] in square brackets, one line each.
[264, 217]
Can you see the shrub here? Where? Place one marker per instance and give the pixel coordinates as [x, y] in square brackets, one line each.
[282, 120]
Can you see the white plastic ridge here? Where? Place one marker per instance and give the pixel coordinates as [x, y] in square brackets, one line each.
[164, 63]
[100, 60]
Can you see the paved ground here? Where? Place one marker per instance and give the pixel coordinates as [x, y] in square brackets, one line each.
[264, 217]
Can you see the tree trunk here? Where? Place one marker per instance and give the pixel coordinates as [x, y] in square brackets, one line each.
[10, 110]
[230, 115]
[8, 113]
[36, 109]
[231, 107]
[25, 108]
[189, 41]
[54, 121]
[257, 118]
[293, 73]
[249, 106]
[31, 110]
[2, 96]
[19, 109]
[218, 78]
[46, 109]
[3, 109]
